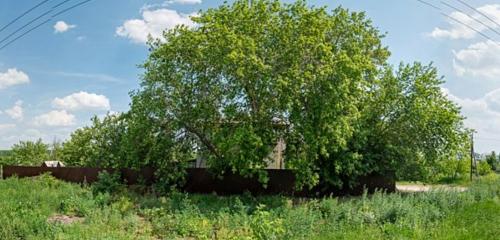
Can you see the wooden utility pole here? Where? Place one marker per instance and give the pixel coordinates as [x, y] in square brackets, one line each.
[472, 160]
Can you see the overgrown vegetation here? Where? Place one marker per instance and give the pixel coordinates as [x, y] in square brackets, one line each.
[229, 89]
[249, 75]
[28, 204]
[493, 160]
[4, 155]
[27, 153]
[31, 153]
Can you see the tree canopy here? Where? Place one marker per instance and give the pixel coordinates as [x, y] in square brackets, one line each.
[27, 153]
[252, 73]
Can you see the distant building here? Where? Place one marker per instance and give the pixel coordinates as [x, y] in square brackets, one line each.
[52, 164]
[275, 160]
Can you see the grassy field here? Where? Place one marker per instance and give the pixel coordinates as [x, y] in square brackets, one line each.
[42, 208]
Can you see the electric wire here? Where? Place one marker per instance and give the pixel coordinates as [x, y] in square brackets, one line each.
[458, 21]
[22, 15]
[74, 6]
[475, 10]
[25, 25]
[33, 20]
[470, 16]
[22, 35]
[468, 26]
[430, 5]
[43, 23]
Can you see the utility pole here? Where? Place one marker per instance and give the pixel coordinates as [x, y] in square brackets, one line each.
[472, 160]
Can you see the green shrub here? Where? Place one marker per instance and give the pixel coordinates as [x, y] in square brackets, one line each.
[123, 205]
[483, 168]
[74, 206]
[108, 183]
[266, 226]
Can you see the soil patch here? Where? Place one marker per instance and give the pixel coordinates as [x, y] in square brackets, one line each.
[426, 188]
[64, 219]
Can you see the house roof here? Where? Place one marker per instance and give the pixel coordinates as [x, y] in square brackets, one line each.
[53, 164]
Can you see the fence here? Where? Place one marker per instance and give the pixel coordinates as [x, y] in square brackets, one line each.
[79, 174]
[200, 180]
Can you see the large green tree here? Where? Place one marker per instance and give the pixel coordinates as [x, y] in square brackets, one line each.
[253, 72]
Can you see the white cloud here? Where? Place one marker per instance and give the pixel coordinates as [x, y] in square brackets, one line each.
[82, 100]
[185, 1]
[483, 115]
[16, 112]
[168, 3]
[55, 119]
[62, 26]
[478, 60]
[14, 134]
[90, 76]
[459, 31]
[6, 126]
[13, 77]
[153, 23]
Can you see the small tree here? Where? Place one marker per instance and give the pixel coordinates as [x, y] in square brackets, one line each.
[483, 168]
[29, 153]
[98, 145]
[406, 124]
[492, 160]
[4, 156]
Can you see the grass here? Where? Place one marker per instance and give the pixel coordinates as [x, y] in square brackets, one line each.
[27, 204]
[480, 221]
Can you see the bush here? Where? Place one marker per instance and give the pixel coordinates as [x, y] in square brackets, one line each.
[265, 225]
[483, 168]
[27, 153]
[108, 183]
[75, 206]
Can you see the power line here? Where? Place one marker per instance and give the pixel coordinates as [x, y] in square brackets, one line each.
[22, 35]
[431, 5]
[22, 15]
[61, 3]
[45, 22]
[471, 17]
[34, 20]
[475, 10]
[468, 26]
[458, 21]
[24, 26]
[67, 9]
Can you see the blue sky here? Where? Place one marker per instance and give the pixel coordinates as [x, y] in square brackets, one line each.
[84, 62]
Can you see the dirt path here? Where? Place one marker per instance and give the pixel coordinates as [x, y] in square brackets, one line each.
[425, 188]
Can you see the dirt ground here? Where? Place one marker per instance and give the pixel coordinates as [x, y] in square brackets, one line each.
[63, 219]
[425, 188]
